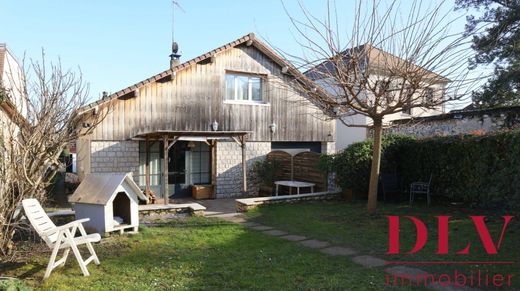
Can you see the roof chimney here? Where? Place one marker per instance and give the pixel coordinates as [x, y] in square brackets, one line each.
[174, 57]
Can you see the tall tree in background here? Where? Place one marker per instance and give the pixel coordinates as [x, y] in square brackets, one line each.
[387, 62]
[499, 45]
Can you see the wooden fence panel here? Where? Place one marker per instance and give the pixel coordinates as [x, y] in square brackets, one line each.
[301, 167]
[306, 169]
[283, 160]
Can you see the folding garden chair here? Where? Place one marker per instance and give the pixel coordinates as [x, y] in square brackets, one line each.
[60, 237]
[420, 188]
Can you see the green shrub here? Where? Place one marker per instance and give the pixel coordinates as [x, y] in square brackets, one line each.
[483, 171]
[352, 165]
[266, 171]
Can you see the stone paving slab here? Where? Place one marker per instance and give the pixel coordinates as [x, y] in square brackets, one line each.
[315, 244]
[236, 219]
[261, 227]
[369, 261]
[250, 224]
[338, 251]
[275, 232]
[293, 237]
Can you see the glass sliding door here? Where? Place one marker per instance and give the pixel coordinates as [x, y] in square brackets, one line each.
[199, 164]
[189, 163]
[155, 167]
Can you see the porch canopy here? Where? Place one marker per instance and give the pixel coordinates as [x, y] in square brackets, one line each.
[170, 137]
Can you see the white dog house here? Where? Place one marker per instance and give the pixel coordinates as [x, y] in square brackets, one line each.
[110, 200]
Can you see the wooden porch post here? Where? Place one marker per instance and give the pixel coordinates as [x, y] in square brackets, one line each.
[244, 165]
[147, 171]
[165, 169]
[214, 168]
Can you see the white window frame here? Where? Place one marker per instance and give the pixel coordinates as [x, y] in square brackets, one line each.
[249, 89]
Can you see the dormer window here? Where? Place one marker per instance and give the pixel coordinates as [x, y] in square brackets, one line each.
[243, 88]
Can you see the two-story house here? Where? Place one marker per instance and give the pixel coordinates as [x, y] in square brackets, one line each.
[204, 121]
[354, 127]
[13, 107]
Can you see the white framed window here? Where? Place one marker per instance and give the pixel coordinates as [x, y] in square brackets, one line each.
[244, 88]
[429, 97]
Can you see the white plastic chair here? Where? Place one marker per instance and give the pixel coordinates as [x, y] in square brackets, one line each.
[60, 237]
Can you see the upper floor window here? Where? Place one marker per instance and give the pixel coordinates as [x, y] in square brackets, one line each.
[243, 87]
[429, 97]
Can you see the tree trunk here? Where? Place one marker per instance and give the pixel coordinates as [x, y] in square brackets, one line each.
[374, 171]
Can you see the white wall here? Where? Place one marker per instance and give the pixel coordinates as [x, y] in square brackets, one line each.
[12, 80]
[346, 135]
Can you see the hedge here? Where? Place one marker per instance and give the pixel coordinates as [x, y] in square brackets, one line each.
[483, 171]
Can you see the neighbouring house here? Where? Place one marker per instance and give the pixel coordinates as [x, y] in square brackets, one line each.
[13, 107]
[469, 120]
[204, 122]
[377, 61]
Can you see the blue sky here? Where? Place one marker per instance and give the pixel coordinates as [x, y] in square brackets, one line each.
[118, 43]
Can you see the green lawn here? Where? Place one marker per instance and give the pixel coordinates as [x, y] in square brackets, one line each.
[203, 254]
[348, 224]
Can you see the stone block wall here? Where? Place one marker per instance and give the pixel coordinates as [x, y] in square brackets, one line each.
[114, 156]
[229, 167]
[463, 122]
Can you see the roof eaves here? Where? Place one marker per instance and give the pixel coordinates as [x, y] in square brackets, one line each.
[165, 73]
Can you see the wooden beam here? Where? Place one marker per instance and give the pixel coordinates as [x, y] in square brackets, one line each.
[237, 140]
[147, 172]
[292, 168]
[165, 169]
[285, 69]
[129, 95]
[244, 165]
[214, 168]
[175, 139]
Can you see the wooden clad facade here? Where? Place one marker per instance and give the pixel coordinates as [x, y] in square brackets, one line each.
[175, 111]
[194, 96]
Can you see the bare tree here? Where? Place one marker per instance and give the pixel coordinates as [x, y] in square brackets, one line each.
[31, 143]
[388, 62]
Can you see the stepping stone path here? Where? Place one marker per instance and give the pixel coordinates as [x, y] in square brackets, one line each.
[275, 232]
[249, 224]
[261, 227]
[315, 244]
[338, 251]
[369, 261]
[326, 248]
[293, 237]
[236, 219]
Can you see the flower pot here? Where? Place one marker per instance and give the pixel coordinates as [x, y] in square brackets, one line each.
[201, 191]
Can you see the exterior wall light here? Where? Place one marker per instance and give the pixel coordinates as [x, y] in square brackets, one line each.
[214, 126]
[272, 127]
